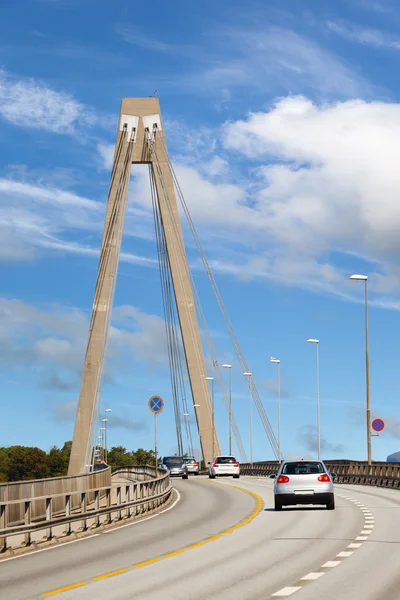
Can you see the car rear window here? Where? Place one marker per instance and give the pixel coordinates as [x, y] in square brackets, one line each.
[173, 460]
[226, 460]
[189, 461]
[302, 468]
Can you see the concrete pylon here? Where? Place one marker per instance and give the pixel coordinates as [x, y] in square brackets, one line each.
[139, 118]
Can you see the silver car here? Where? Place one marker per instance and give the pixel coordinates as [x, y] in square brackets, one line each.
[303, 482]
[192, 465]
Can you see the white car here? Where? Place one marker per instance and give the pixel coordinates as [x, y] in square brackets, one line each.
[303, 482]
[223, 466]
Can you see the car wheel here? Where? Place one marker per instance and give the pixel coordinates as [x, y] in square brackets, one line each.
[236, 476]
[331, 504]
[196, 474]
[278, 503]
[185, 476]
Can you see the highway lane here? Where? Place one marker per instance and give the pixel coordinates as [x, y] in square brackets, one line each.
[203, 511]
[274, 553]
[372, 572]
[304, 553]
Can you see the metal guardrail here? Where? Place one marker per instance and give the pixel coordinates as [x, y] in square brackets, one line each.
[40, 488]
[381, 474]
[133, 498]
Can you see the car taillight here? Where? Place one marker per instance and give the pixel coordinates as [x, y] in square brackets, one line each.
[282, 479]
[236, 464]
[325, 478]
[196, 464]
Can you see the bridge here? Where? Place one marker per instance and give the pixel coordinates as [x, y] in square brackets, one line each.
[133, 532]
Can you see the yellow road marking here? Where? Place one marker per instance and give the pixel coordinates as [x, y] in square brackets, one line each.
[147, 562]
[198, 544]
[65, 589]
[175, 553]
[245, 521]
[111, 574]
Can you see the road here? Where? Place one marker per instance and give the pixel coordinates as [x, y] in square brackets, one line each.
[305, 553]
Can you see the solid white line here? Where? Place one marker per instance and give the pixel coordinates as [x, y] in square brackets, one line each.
[312, 576]
[331, 563]
[287, 591]
[60, 545]
[344, 554]
[173, 504]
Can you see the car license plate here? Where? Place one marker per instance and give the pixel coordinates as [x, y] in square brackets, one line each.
[303, 492]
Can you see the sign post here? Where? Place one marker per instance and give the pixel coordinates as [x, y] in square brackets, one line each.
[156, 405]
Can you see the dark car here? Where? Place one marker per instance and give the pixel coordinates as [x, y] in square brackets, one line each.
[176, 466]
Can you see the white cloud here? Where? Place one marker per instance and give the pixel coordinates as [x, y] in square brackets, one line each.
[308, 437]
[53, 339]
[32, 104]
[333, 186]
[134, 35]
[273, 58]
[364, 35]
[39, 218]
[106, 152]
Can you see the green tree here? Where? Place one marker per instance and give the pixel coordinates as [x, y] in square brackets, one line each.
[118, 456]
[4, 461]
[143, 457]
[67, 448]
[25, 462]
[57, 461]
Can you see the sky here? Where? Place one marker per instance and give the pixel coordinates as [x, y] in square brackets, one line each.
[283, 124]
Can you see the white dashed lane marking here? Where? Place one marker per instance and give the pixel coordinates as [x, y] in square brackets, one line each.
[331, 564]
[287, 591]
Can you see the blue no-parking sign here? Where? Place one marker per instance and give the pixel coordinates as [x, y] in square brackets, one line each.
[378, 425]
[156, 404]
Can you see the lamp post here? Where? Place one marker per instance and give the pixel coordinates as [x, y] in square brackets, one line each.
[105, 421]
[230, 406]
[278, 362]
[364, 278]
[104, 452]
[212, 413]
[316, 342]
[99, 446]
[197, 406]
[248, 375]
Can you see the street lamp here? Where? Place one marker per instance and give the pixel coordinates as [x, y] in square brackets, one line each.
[99, 446]
[248, 375]
[105, 421]
[364, 278]
[212, 413]
[103, 429]
[230, 406]
[316, 342]
[278, 362]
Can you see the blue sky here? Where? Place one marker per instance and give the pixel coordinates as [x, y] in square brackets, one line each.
[283, 124]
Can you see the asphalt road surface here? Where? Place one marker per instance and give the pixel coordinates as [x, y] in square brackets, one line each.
[306, 553]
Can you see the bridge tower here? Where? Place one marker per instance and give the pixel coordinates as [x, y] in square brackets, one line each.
[140, 140]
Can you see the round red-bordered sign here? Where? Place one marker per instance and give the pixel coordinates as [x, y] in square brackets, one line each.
[156, 404]
[378, 425]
